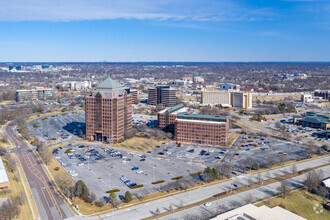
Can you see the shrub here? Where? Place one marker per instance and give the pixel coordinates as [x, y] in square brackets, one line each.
[113, 191]
[68, 150]
[57, 168]
[64, 114]
[137, 186]
[128, 197]
[99, 203]
[158, 182]
[44, 119]
[35, 125]
[53, 116]
[177, 178]
[74, 113]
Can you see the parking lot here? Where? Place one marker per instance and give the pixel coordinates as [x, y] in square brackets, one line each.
[103, 168]
[297, 130]
[149, 120]
[58, 127]
[263, 150]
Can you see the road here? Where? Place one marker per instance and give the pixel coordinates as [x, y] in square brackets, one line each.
[148, 208]
[50, 205]
[239, 199]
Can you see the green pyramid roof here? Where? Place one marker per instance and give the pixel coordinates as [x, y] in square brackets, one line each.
[109, 84]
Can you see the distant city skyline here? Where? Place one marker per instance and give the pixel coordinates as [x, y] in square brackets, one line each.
[164, 30]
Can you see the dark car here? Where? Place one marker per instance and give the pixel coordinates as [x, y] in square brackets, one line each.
[202, 152]
[135, 168]
[143, 159]
[161, 153]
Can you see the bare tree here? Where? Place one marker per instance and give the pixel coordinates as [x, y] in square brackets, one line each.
[3, 151]
[46, 155]
[171, 209]
[293, 169]
[248, 198]
[22, 198]
[11, 162]
[284, 188]
[313, 179]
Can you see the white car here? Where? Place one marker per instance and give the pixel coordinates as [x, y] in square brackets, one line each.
[139, 171]
[207, 204]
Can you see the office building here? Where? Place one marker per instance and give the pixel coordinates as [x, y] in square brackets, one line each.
[215, 97]
[162, 95]
[78, 85]
[209, 130]
[230, 87]
[313, 120]
[198, 79]
[4, 180]
[167, 117]
[39, 93]
[241, 100]
[108, 112]
[226, 98]
[306, 98]
[324, 94]
[134, 97]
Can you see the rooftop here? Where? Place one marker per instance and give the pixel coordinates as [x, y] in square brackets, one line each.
[252, 212]
[109, 84]
[175, 109]
[200, 116]
[3, 173]
[315, 119]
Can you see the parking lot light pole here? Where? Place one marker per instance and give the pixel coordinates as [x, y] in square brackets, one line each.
[110, 180]
[153, 168]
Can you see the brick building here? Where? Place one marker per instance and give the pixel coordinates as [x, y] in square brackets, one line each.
[108, 112]
[134, 96]
[167, 117]
[163, 95]
[194, 128]
[201, 129]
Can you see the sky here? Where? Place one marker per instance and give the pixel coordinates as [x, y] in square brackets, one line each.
[164, 30]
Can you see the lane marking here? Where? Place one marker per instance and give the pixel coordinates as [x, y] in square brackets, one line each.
[36, 172]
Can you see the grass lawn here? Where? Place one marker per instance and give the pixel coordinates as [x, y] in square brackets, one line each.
[54, 163]
[41, 115]
[139, 144]
[15, 189]
[231, 138]
[300, 202]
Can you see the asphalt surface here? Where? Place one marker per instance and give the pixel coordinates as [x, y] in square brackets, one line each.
[147, 209]
[239, 199]
[49, 204]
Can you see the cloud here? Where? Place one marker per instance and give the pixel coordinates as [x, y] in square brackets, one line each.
[77, 10]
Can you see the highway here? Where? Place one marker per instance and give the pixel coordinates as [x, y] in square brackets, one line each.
[49, 204]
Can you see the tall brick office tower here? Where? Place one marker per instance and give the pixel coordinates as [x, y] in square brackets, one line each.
[108, 112]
